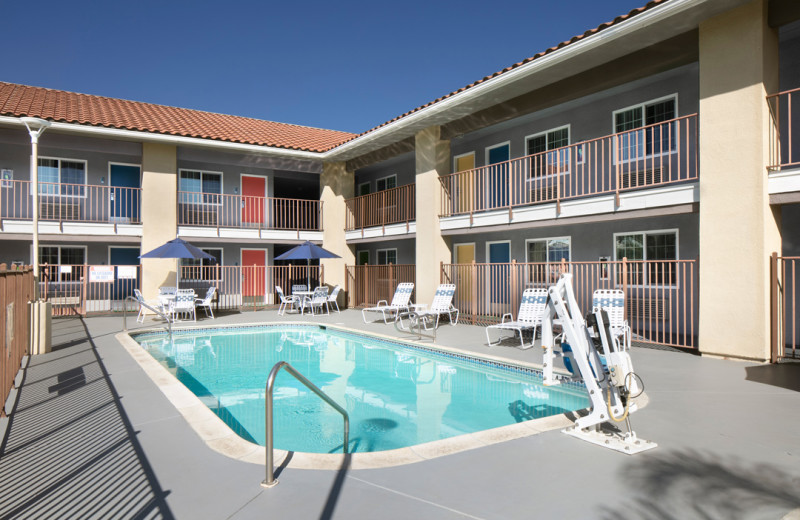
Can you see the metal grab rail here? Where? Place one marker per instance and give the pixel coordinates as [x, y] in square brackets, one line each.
[146, 306]
[271, 480]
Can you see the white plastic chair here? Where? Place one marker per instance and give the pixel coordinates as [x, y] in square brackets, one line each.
[613, 302]
[205, 302]
[531, 311]
[332, 298]
[183, 305]
[318, 300]
[299, 287]
[400, 303]
[290, 301]
[142, 309]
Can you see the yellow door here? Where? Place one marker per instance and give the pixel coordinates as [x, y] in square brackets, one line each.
[465, 254]
[465, 184]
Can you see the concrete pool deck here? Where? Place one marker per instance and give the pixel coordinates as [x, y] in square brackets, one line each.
[93, 436]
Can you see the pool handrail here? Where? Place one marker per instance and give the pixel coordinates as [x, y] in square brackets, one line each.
[146, 306]
[271, 481]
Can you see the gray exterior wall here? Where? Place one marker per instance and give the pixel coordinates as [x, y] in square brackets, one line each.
[789, 56]
[403, 166]
[406, 250]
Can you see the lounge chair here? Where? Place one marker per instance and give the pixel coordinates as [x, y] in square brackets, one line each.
[400, 303]
[205, 302]
[613, 302]
[290, 301]
[318, 300]
[529, 317]
[332, 298]
[428, 319]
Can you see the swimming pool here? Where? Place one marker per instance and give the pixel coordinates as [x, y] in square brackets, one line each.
[397, 394]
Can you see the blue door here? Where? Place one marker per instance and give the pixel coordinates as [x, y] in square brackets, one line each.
[498, 176]
[125, 279]
[499, 282]
[124, 181]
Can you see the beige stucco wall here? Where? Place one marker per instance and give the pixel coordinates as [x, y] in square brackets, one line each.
[738, 230]
[159, 213]
[336, 185]
[432, 160]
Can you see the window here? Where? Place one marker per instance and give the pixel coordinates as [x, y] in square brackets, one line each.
[654, 249]
[202, 269]
[199, 187]
[386, 183]
[554, 162]
[67, 262]
[62, 177]
[653, 140]
[363, 188]
[387, 256]
[546, 254]
[363, 257]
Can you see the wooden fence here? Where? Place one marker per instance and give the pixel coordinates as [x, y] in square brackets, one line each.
[16, 290]
[785, 329]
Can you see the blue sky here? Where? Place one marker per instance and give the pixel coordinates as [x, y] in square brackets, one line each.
[340, 65]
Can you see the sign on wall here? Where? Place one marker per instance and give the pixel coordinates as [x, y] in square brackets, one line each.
[126, 272]
[101, 273]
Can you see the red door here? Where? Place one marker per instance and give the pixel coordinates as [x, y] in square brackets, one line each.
[253, 190]
[254, 275]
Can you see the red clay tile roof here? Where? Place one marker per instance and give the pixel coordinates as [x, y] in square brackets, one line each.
[69, 107]
[574, 39]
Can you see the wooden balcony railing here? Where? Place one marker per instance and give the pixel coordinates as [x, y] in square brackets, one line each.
[646, 157]
[70, 202]
[661, 302]
[392, 206]
[240, 211]
[784, 150]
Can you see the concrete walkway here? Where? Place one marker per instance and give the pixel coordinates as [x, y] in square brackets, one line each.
[93, 437]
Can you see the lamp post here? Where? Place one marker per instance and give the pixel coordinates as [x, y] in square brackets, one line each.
[36, 128]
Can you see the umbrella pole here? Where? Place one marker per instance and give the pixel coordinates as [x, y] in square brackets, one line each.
[308, 273]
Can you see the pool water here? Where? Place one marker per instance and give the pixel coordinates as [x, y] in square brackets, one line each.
[396, 395]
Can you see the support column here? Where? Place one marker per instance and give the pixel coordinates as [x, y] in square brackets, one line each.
[738, 228]
[159, 214]
[432, 160]
[336, 185]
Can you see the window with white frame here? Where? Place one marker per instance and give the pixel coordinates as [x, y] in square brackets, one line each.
[546, 255]
[363, 257]
[386, 183]
[656, 249]
[200, 187]
[363, 188]
[387, 256]
[63, 263]
[202, 268]
[557, 161]
[655, 135]
[62, 177]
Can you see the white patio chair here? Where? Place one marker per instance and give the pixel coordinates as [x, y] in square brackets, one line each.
[142, 309]
[428, 319]
[400, 303]
[531, 311]
[318, 300]
[292, 301]
[613, 302]
[332, 298]
[205, 301]
[183, 305]
[299, 287]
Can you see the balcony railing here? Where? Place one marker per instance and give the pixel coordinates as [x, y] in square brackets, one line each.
[392, 206]
[784, 150]
[646, 157]
[240, 211]
[70, 202]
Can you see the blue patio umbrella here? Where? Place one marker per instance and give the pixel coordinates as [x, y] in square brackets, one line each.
[177, 248]
[307, 251]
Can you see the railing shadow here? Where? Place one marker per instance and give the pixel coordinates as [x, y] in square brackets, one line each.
[71, 451]
[696, 484]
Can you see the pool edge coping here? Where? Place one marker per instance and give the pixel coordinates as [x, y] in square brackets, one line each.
[221, 438]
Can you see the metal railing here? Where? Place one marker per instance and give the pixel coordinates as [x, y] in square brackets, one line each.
[146, 306]
[661, 297]
[270, 479]
[392, 206]
[784, 150]
[62, 202]
[240, 211]
[83, 289]
[784, 309]
[647, 157]
[366, 285]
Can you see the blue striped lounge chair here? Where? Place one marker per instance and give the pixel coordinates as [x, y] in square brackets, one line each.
[530, 315]
[400, 303]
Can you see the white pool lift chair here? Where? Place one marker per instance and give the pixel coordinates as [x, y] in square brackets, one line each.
[400, 303]
[530, 315]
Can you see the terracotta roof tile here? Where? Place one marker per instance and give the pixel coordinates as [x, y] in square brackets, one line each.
[69, 107]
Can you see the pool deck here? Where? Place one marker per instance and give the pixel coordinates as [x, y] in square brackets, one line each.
[93, 436]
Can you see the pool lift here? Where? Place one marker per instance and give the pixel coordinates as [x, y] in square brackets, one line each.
[608, 375]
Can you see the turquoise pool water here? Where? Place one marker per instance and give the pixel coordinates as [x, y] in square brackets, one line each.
[397, 395]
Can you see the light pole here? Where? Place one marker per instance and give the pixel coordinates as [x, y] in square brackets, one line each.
[36, 128]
